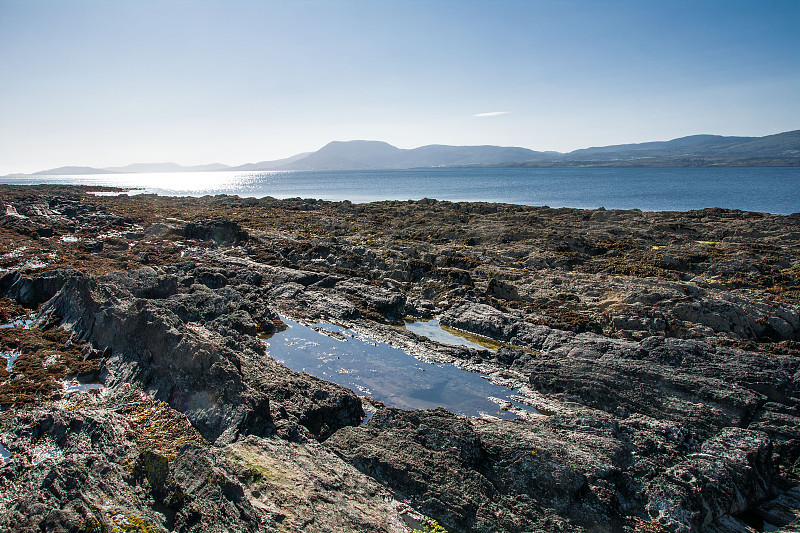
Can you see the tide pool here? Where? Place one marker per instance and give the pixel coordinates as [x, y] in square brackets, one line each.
[388, 374]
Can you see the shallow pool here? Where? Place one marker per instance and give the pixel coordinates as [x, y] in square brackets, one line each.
[76, 386]
[436, 332]
[388, 374]
[10, 357]
[5, 455]
[19, 323]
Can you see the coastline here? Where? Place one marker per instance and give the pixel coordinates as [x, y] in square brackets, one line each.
[764, 189]
[660, 345]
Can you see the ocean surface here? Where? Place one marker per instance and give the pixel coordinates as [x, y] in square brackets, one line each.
[766, 189]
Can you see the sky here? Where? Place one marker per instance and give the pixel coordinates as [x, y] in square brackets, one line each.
[112, 82]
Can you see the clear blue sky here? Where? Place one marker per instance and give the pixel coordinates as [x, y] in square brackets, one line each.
[112, 82]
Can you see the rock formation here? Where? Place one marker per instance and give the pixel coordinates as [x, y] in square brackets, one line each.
[661, 350]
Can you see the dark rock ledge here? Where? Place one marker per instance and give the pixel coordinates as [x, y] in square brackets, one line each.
[669, 378]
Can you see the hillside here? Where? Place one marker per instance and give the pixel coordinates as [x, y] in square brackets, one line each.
[683, 146]
[360, 155]
[781, 145]
[782, 149]
[68, 171]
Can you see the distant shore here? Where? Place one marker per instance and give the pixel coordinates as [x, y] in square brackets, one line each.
[662, 162]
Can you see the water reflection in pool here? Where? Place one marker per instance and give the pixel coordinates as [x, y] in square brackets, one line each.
[76, 386]
[10, 357]
[436, 332]
[387, 374]
[5, 455]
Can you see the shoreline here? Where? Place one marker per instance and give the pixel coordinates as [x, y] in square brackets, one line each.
[661, 189]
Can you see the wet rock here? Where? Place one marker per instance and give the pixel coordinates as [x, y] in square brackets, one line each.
[747, 320]
[163, 230]
[455, 275]
[620, 384]
[693, 384]
[782, 423]
[307, 487]
[294, 297]
[211, 278]
[150, 349]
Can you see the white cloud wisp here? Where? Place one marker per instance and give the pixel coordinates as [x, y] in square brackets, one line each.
[491, 114]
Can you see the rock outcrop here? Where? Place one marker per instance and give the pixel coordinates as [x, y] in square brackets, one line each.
[661, 350]
[124, 462]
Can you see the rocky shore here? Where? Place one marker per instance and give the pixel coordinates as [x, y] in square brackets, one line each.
[661, 351]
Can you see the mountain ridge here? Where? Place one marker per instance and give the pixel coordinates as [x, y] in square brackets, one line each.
[781, 149]
[68, 170]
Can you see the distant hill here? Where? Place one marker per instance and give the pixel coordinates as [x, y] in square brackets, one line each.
[785, 144]
[71, 171]
[781, 146]
[782, 149]
[147, 167]
[440, 155]
[658, 162]
[350, 155]
[362, 155]
[684, 146]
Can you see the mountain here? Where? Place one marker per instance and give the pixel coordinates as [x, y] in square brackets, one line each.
[684, 146]
[785, 144]
[440, 155]
[349, 155]
[362, 155]
[781, 149]
[716, 149]
[71, 171]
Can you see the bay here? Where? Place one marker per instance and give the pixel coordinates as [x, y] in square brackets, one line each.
[764, 189]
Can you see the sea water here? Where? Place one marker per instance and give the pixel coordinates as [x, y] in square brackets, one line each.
[765, 189]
